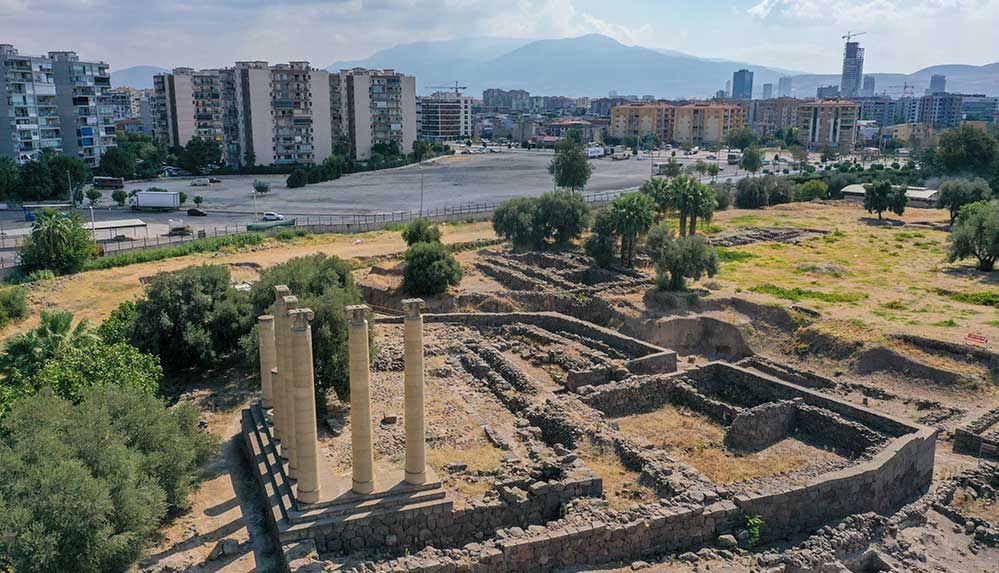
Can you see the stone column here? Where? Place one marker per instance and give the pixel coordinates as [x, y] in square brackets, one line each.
[416, 458]
[280, 357]
[268, 354]
[289, 444]
[361, 448]
[306, 433]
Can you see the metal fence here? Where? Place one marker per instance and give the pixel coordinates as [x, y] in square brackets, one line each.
[117, 241]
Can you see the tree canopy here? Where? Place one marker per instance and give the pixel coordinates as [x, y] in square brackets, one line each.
[679, 258]
[570, 167]
[881, 196]
[956, 193]
[975, 234]
[57, 242]
[631, 216]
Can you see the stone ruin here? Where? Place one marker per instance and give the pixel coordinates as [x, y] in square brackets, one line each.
[569, 386]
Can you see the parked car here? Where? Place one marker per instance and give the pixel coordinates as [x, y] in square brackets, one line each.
[201, 182]
[712, 157]
[214, 180]
[196, 212]
[272, 216]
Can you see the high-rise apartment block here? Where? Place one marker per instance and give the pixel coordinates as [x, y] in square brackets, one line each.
[742, 85]
[828, 124]
[770, 115]
[938, 84]
[869, 87]
[784, 87]
[941, 110]
[853, 70]
[286, 113]
[444, 116]
[768, 91]
[54, 102]
[827, 92]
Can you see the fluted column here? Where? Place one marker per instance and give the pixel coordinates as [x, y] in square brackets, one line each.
[416, 457]
[280, 357]
[362, 450]
[289, 444]
[268, 354]
[306, 433]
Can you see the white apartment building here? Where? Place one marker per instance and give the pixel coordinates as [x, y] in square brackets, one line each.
[54, 102]
[189, 105]
[379, 108]
[444, 116]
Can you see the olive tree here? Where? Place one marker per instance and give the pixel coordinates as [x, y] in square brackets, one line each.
[976, 235]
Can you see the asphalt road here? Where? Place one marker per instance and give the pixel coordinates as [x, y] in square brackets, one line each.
[446, 182]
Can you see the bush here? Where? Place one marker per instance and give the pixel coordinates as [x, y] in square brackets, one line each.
[179, 250]
[430, 270]
[750, 194]
[116, 326]
[288, 234]
[13, 306]
[83, 487]
[326, 285]
[97, 363]
[56, 243]
[298, 178]
[976, 234]
[724, 194]
[119, 196]
[515, 221]
[26, 353]
[956, 193]
[19, 278]
[677, 259]
[421, 231]
[810, 190]
[190, 318]
[562, 216]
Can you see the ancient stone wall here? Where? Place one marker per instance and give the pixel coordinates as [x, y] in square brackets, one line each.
[759, 427]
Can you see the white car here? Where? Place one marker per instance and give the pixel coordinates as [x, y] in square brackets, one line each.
[272, 216]
[201, 182]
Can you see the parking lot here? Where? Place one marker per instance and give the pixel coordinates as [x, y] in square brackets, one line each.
[445, 182]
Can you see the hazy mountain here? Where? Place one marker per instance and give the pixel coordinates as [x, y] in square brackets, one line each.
[138, 77]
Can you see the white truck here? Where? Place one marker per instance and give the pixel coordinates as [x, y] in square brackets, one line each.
[595, 152]
[155, 201]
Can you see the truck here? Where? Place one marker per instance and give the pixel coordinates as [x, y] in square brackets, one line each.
[595, 152]
[155, 201]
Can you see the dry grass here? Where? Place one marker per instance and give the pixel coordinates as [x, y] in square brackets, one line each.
[977, 507]
[483, 458]
[670, 427]
[722, 466]
[621, 488]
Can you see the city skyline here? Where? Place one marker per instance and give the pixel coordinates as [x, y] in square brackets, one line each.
[801, 35]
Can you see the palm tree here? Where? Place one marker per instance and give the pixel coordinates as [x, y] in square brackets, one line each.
[702, 204]
[25, 354]
[660, 191]
[682, 193]
[632, 215]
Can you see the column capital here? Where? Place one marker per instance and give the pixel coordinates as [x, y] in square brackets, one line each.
[290, 303]
[412, 306]
[265, 318]
[300, 318]
[281, 291]
[357, 312]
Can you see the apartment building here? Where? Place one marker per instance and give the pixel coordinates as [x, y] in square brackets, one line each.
[706, 122]
[54, 102]
[774, 114]
[980, 107]
[444, 116]
[831, 123]
[941, 109]
[640, 120]
[380, 108]
[189, 104]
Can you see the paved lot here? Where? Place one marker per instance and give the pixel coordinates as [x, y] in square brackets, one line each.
[446, 182]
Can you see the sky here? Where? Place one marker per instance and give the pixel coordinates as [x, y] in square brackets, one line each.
[804, 35]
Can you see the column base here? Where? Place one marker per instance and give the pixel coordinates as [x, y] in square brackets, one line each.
[416, 478]
[362, 487]
[307, 497]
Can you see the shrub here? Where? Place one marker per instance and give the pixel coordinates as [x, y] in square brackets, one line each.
[97, 363]
[956, 193]
[813, 189]
[13, 306]
[179, 250]
[116, 326]
[114, 466]
[26, 353]
[119, 196]
[430, 270]
[515, 221]
[976, 234]
[677, 259]
[198, 200]
[724, 194]
[750, 194]
[601, 246]
[298, 178]
[288, 234]
[19, 278]
[182, 197]
[421, 231]
[56, 243]
[326, 285]
[562, 216]
[190, 318]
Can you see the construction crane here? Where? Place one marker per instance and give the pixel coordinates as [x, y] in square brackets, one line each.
[850, 35]
[457, 88]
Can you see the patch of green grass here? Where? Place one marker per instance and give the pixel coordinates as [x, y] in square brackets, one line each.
[726, 255]
[905, 235]
[893, 305]
[292, 233]
[211, 245]
[799, 294]
[982, 298]
[746, 220]
[994, 323]
[949, 323]
[710, 229]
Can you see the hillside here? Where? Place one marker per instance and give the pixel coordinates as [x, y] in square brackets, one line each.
[138, 77]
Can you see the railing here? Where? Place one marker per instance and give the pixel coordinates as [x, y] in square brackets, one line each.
[116, 241]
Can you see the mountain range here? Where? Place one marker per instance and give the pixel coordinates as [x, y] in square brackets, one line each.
[594, 65]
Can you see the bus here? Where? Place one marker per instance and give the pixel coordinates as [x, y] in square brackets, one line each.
[734, 158]
[109, 182]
